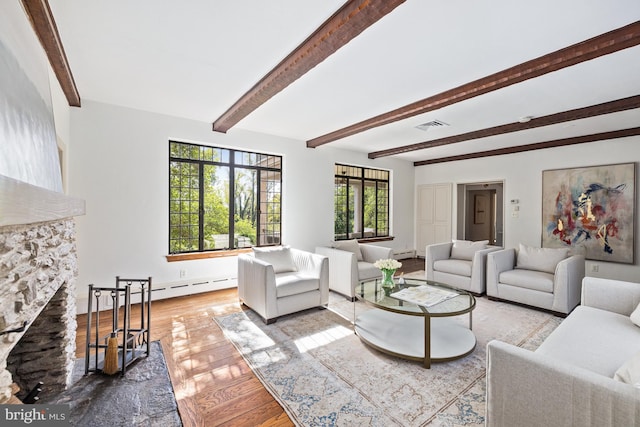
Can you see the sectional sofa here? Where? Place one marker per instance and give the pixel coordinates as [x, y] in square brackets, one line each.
[586, 373]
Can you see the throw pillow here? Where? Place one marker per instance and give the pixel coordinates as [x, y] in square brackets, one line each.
[278, 256]
[635, 316]
[466, 249]
[351, 246]
[629, 372]
[540, 259]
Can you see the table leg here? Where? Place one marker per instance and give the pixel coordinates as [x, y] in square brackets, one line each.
[427, 342]
[354, 316]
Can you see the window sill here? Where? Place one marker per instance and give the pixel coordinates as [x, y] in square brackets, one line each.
[376, 239]
[235, 252]
[206, 255]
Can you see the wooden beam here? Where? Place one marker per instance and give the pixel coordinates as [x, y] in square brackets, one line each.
[536, 146]
[629, 103]
[613, 41]
[349, 21]
[45, 28]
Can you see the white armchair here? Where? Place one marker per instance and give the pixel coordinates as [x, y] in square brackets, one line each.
[279, 280]
[546, 278]
[351, 262]
[460, 264]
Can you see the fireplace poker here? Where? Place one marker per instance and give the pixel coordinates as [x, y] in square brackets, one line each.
[20, 329]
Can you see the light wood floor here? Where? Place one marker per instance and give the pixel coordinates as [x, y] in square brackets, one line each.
[212, 383]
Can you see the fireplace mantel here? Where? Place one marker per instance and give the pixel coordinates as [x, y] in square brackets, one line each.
[22, 203]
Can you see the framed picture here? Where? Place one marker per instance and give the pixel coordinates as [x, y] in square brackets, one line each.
[590, 210]
[480, 204]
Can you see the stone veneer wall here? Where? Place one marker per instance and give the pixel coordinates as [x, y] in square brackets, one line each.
[38, 267]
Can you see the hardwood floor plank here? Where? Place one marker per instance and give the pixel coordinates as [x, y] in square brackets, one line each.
[187, 404]
[256, 417]
[281, 420]
[256, 406]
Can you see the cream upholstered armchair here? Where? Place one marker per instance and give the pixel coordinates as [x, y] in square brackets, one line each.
[351, 262]
[460, 263]
[546, 278]
[280, 280]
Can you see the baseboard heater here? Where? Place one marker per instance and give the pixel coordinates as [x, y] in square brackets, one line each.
[166, 290]
[404, 253]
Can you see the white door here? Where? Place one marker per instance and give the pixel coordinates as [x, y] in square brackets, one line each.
[433, 216]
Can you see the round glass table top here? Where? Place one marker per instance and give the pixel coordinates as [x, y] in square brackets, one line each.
[416, 297]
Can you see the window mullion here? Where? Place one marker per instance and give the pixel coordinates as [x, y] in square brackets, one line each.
[362, 204]
[258, 196]
[200, 206]
[232, 200]
[375, 212]
[347, 208]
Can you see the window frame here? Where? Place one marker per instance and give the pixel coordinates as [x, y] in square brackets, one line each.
[237, 159]
[365, 176]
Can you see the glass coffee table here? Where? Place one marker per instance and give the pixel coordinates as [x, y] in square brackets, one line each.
[415, 320]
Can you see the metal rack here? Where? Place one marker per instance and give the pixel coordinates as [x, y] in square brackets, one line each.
[133, 340]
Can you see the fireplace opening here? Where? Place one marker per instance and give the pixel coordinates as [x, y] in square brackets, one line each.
[46, 352]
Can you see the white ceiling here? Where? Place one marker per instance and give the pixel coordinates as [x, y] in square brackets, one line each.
[195, 58]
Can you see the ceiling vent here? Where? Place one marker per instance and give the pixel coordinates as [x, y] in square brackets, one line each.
[431, 124]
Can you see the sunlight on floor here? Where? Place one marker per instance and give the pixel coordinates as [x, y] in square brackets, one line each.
[222, 309]
[201, 382]
[319, 339]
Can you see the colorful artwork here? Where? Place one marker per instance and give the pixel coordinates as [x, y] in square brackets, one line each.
[590, 210]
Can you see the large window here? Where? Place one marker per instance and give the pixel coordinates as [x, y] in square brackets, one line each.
[361, 202]
[221, 198]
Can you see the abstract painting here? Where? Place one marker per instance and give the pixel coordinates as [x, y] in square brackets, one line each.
[590, 210]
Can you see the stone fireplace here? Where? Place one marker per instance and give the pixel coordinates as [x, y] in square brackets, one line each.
[38, 267]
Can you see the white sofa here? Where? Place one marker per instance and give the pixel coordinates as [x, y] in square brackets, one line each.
[278, 280]
[539, 277]
[460, 264]
[569, 379]
[351, 262]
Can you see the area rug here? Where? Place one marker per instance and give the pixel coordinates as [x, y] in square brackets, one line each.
[323, 375]
[142, 397]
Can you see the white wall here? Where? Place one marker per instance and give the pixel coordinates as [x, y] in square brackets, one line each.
[522, 175]
[28, 150]
[118, 163]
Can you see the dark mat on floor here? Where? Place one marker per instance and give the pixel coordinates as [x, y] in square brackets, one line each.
[142, 397]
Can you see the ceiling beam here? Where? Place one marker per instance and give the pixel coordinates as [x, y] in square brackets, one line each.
[44, 25]
[349, 21]
[604, 44]
[536, 146]
[624, 104]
